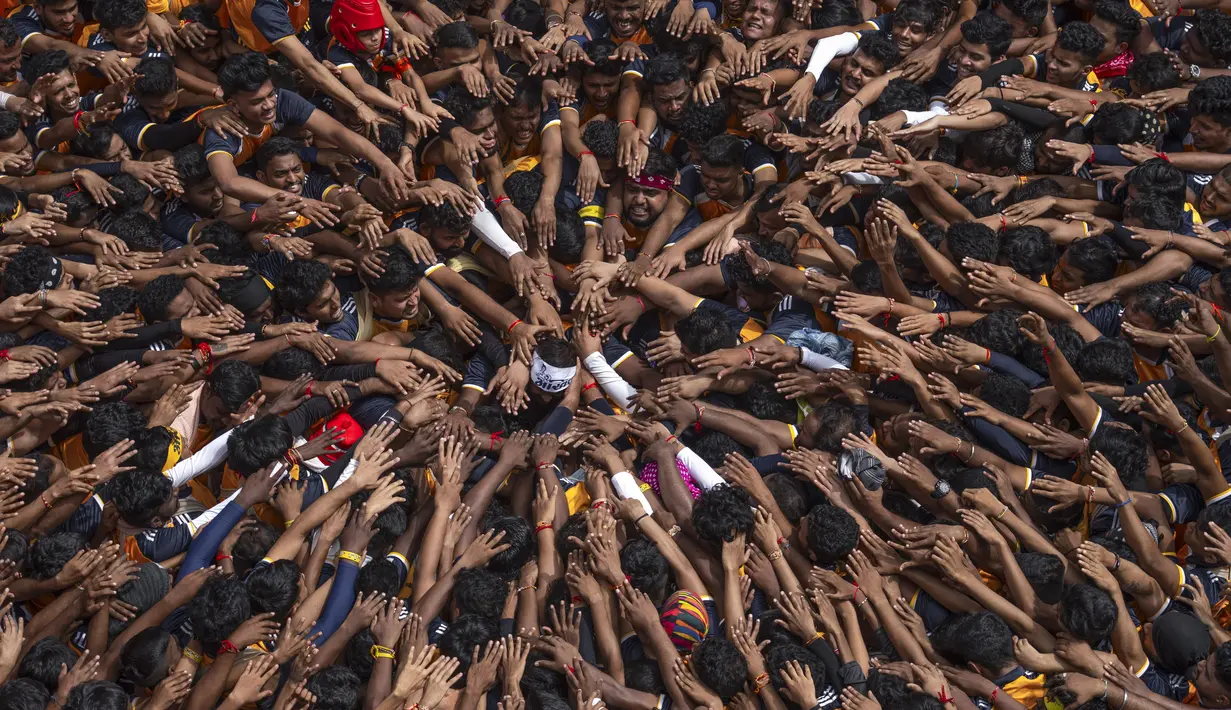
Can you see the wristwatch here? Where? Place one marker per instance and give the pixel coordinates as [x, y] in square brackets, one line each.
[941, 490]
[1194, 71]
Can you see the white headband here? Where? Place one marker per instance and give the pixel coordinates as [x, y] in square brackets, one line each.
[550, 378]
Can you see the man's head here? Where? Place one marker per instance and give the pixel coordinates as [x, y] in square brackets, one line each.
[996, 151]
[1077, 49]
[278, 165]
[202, 193]
[475, 114]
[59, 16]
[1024, 16]
[13, 140]
[1117, 23]
[762, 18]
[156, 88]
[208, 52]
[1208, 42]
[601, 82]
[122, 23]
[456, 45]
[829, 533]
[1086, 261]
[519, 118]
[914, 21]
[646, 195]
[139, 231]
[445, 227]
[985, 39]
[34, 269]
[1216, 197]
[1152, 72]
[1209, 104]
[10, 52]
[670, 86]
[63, 96]
[624, 16]
[603, 139]
[307, 291]
[722, 167]
[165, 298]
[395, 293]
[552, 368]
[248, 89]
[876, 54]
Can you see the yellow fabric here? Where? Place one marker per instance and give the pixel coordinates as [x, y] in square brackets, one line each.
[578, 498]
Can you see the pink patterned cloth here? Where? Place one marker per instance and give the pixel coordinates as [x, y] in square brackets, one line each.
[649, 474]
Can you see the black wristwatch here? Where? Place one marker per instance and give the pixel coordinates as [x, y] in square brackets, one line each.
[941, 490]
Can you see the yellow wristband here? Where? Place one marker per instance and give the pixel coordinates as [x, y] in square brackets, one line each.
[379, 651]
[1214, 337]
[288, 523]
[192, 655]
[353, 557]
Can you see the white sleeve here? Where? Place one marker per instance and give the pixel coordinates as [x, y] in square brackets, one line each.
[5, 98]
[626, 487]
[347, 472]
[914, 118]
[204, 518]
[861, 179]
[210, 455]
[489, 230]
[609, 379]
[828, 48]
[818, 362]
[702, 474]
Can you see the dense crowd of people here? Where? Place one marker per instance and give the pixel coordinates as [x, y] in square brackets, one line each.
[638, 354]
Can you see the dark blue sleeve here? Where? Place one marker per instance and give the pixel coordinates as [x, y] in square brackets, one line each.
[206, 543]
[1109, 155]
[271, 19]
[341, 598]
[293, 109]
[1001, 442]
[556, 422]
[1009, 366]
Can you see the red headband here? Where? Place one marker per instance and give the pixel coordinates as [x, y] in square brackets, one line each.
[656, 182]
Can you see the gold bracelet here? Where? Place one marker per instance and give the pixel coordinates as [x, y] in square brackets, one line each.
[192, 655]
[775, 555]
[351, 556]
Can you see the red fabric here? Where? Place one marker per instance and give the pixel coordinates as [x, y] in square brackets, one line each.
[1116, 66]
[350, 17]
[351, 431]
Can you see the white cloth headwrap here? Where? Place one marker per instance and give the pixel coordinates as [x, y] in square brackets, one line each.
[550, 378]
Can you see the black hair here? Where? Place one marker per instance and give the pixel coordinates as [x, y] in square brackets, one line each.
[400, 274]
[23, 693]
[382, 576]
[1032, 11]
[659, 164]
[899, 95]
[10, 123]
[44, 661]
[570, 238]
[1126, 450]
[465, 634]
[359, 654]
[704, 331]
[273, 588]
[132, 193]
[302, 281]
[138, 495]
[112, 302]
[202, 14]
[719, 665]
[27, 269]
[1029, 250]
[191, 166]
[990, 29]
[783, 651]
[519, 538]
[1096, 259]
[974, 240]
[713, 446]
[837, 419]
[218, 609]
[1081, 38]
[229, 240]
[789, 494]
[1046, 187]
[1045, 574]
[602, 138]
[273, 148]
[1008, 393]
[599, 52]
[456, 35]
[480, 591]
[721, 513]
[1106, 360]
[1088, 613]
[1213, 28]
[881, 47]
[42, 63]
[524, 187]
[699, 123]
[464, 106]
[832, 533]
[156, 298]
[246, 72]
[1115, 122]
[643, 675]
[138, 230]
[1127, 21]
[736, 266]
[97, 695]
[764, 402]
[336, 687]
[1155, 212]
[724, 151]
[155, 77]
[646, 567]
[8, 38]
[96, 143]
[118, 14]
[665, 68]
[925, 12]
[1000, 147]
[234, 381]
[253, 544]
[981, 638]
[1158, 301]
[1160, 178]
[109, 424]
[1153, 72]
[143, 660]
[555, 352]
[836, 14]
[257, 443]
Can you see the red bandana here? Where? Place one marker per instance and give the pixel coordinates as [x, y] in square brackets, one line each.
[1116, 66]
[657, 182]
